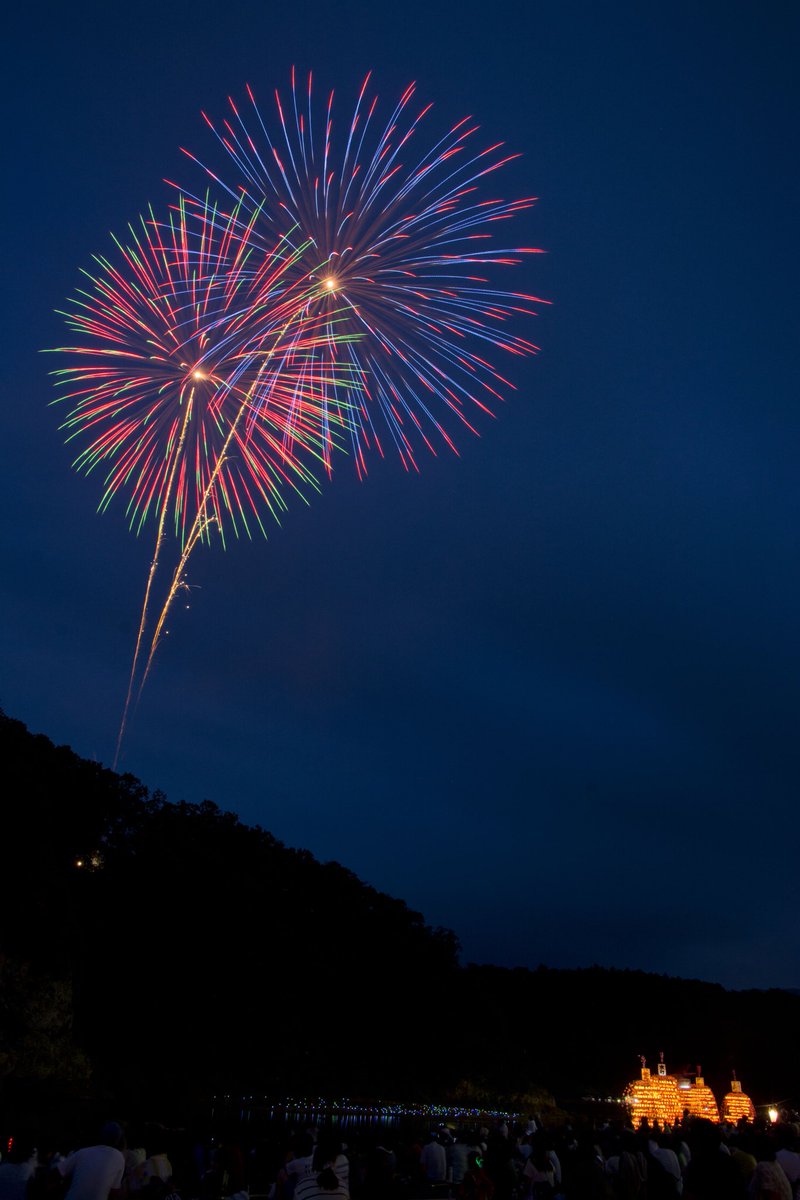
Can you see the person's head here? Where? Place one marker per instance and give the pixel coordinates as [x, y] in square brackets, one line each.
[630, 1141]
[327, 1180]
[784, 1136]
[706, 1137]
[765, 1148]
[744, 1140]
[326, 1150]
[155, 1139]
[303, 1145]
[112, 1134]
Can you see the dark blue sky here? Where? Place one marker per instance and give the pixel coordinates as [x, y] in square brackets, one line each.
[546, 692]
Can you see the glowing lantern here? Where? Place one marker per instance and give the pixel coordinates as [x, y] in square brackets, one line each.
[654, 1098]
[736, 1104]
[699, 1100]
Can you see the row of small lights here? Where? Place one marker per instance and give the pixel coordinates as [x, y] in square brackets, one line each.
[389, 1110]
[418, 1110]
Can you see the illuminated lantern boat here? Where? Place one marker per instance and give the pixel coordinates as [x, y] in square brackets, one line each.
[737, 1104]
[654, 1097]
[699, 1100]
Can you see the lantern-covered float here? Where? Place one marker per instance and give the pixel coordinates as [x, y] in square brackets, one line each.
[698, 1099]
[736, 1104]
[654, 1098]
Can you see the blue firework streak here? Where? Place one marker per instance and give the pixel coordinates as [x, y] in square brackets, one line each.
[406, 258]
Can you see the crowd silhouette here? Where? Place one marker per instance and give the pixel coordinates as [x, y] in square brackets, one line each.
[525, 1160]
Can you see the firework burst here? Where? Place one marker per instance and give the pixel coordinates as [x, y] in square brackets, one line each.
[196, 386]
[195, 336]
[402, 244]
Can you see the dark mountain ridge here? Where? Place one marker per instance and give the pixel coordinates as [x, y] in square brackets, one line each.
[157, 949]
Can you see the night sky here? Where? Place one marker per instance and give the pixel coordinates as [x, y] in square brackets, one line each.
[546, 691]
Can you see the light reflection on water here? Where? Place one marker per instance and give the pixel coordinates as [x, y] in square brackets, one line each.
[345, 1114]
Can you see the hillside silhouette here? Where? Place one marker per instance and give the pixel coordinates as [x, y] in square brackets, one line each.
[152, 949]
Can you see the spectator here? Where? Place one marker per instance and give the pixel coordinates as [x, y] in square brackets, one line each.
[433, 1160]
[17, 1171]
[95, 1172]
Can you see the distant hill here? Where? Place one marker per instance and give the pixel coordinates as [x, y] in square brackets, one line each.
[151, 948]
[200, 952]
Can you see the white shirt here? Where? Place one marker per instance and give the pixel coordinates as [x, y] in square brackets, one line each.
[669, 1161]
[433, 1161]
[92, 1172]
[14, 1179]
[790, 1163]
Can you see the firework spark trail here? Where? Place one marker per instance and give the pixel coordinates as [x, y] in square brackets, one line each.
[202, 520]
[255, 398]
[404, 244]
[151, 574]
[174, 373]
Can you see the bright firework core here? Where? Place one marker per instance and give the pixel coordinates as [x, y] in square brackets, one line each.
[330, 283]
